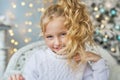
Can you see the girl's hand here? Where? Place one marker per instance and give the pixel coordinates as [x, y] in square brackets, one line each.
[16, 77]
[90, 56]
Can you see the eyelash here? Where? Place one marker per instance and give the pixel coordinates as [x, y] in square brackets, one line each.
[63, 34]
[49, 36]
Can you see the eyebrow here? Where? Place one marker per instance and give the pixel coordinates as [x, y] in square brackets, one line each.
[47, 34]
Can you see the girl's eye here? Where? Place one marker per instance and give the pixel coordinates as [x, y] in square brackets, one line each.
[63, 34]
[49, 37]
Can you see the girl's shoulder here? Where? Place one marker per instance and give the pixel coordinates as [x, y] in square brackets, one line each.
[39, 54]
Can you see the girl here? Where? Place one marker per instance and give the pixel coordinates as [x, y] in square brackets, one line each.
[67, 31]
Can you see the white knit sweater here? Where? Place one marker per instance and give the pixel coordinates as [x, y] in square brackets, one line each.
[46, 65]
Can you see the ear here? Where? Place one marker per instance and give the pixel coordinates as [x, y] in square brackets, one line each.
[77, 58]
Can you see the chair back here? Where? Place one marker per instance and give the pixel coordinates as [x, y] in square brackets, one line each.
[18, 60]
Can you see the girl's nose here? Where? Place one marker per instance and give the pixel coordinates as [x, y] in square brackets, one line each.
[57, 42]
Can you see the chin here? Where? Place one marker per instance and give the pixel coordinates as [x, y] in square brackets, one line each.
[56, 51]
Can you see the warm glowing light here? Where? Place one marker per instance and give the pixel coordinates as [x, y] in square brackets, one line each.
[16, 43]
[28, 14]
[22, 3]
[30, 23]
[13, 5]
[102, 26]
[107, 18]
[112, 49]
[12, 41]
[14, 49]
[96, 8]
[30, 5]
[26, 22]
[26, 40]
[106, 36]
[11, 32]
[29, 30]
[40, 9]
[97, 16]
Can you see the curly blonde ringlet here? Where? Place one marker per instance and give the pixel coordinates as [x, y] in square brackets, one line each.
[80, 28]
[78, 23]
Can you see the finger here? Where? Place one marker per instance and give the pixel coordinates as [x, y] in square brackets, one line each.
[18, 76]
[93, 58]
[13, 77]
[10, 78]
[21, 77]
[90, 54]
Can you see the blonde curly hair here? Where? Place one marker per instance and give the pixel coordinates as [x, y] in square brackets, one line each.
[78, 23]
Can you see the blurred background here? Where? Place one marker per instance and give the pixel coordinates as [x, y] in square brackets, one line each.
[19, 25]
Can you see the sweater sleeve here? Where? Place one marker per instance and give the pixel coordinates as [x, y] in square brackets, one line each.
[96, 71]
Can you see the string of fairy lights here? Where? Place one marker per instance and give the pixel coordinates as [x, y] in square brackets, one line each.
[105, 15]
[33, 7]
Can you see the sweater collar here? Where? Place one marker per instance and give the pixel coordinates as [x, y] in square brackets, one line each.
[56, 55]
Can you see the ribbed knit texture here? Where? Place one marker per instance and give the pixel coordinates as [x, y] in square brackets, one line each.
[50, 66]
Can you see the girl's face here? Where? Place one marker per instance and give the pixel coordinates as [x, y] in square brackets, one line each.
[55, 34]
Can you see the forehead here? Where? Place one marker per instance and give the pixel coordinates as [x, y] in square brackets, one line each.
[55, 26]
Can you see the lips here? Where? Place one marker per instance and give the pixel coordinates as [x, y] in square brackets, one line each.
[56, 49]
